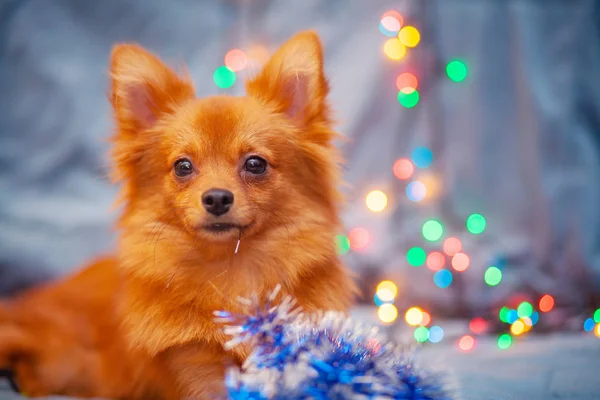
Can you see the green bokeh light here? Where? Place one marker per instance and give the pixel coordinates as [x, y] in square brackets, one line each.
[224, 77]
[432, 230]
[503, 314]
[409, 100]
[476, 224]
[493, 276]
[421, 334]
[597, 316]
[524, 310]
[504, 341]
[343, 244]
[456, 70]
[416, 256]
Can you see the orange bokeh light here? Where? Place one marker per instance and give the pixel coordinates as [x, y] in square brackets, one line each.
[393, 14]
[546, 303]
[405, 81]
[478, 325]
[359, 238]
[466, 343]
[452, 246]
[426, 318]
[436, 261]
[403, 168]
[460, 262]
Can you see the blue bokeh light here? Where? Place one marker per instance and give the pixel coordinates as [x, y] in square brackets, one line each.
[589, 325]
[436, 334]
[422, 157]
[416, 191]
[442, 278]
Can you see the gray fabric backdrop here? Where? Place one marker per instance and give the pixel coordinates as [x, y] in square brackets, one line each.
[518, 141]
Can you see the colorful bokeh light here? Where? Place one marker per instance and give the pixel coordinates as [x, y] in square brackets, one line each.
[535, 317]
[385, 296]
[413, 316]
[442, 278]
[422, 157]
[476, 224]
[403, 168]
[432, 183]
[407, 82]
[588, 324]
[478, 325]
[492, 276]
[387, 313]
[394, 49]
[546, 303]
[343, 244]
[456, 70]
[525, 309]
[236, 60]
[421, 334]
[376, 201]
[436, 334]
[503, 314]
[416, 256]
[435, 261]
[597, 315]
[460, 262]
[504, 341]
[466, 343]
[517, 328]
[597, 330]
[432, 230]
[416, 191]
[410, 99]
[388, 285]
[390, 23]
[426, 318]
[452, 246]
[512, 316]
[224, 77]
[359, 239]
[409, 36]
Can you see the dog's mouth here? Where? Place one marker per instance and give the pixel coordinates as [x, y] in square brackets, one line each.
[221, 227]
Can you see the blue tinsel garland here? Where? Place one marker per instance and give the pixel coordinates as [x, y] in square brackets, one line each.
[321, 356]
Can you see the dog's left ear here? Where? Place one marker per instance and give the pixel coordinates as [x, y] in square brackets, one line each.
[293, 81]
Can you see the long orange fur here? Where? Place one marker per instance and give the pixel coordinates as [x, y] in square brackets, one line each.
[169, 273]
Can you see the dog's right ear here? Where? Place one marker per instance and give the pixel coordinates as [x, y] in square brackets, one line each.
[143, 88]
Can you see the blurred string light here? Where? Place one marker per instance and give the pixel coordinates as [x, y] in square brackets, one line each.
[409, 36]
[342, 244]
[476, 224]
[394, 49]
[416, 191]
[589, 324]
[432, 184]
[359, 239]
[452, 246]
[597, 315]
[422, 157]
[597, 330]
[478, 325]
[376, 201]
[387, 313]
[403, 168]
[517, 328]
[389, 286]
[407, 82]
[525, 309]
[503, 314]
[466, 343]
[492, 276]
[425, 318]
[535, 317]
[436, 334]
[442, 278]
[435, 261]
[410, 99]
[236, 60]
[456, 70]
[460, 262]
[504, 341]
[512, 316]
[390, 23]
[224, 77]
[546, 303]
[432, 230]
[421, 334]
[413, 316]
[384, 296]
[416, 256]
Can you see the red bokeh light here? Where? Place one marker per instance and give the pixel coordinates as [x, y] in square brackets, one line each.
[426, 318]
[359, 239]
[466, 343]
[236, 60]
[394, 14]
[452, 246]
[478, 325]
[403, 168]
[436, 261]
[405, 81]
[546, 303]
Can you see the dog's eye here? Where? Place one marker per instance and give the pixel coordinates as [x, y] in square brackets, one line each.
[183, 167]
[255, 165]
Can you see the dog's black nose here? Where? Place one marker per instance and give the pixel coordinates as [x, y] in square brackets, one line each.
[217, 201]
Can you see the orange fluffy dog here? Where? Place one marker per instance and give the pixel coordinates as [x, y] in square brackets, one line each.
[201, 177]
